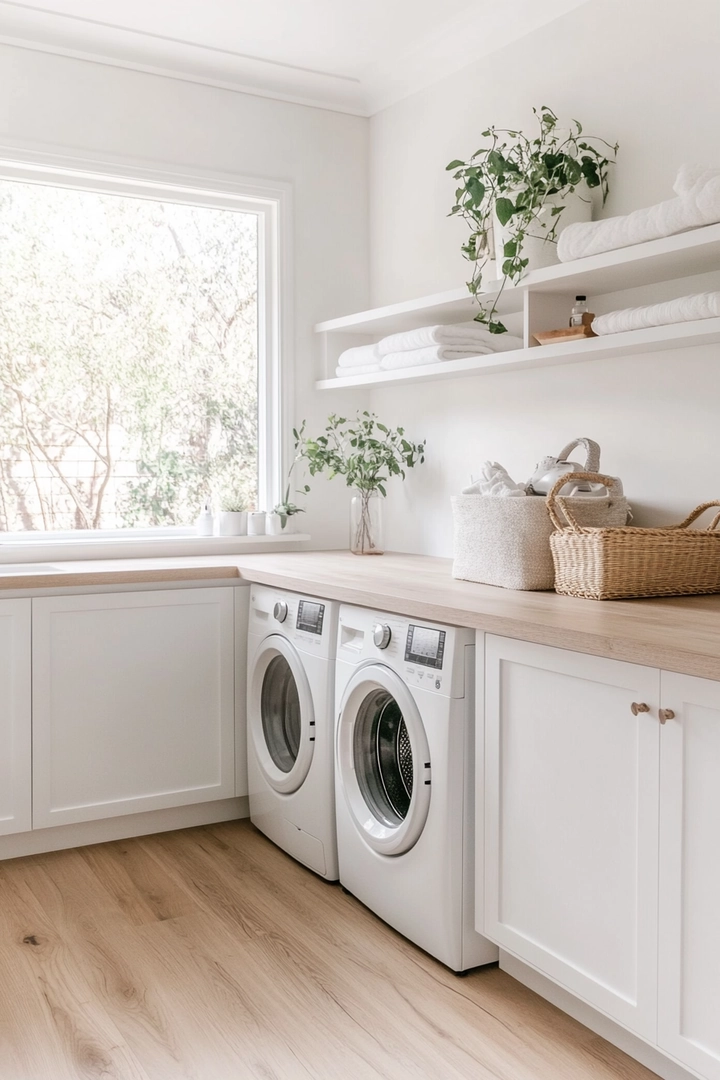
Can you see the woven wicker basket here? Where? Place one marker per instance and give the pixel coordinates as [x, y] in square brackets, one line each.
[615, 563]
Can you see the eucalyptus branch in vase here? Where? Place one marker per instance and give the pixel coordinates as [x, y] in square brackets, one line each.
[367, 453]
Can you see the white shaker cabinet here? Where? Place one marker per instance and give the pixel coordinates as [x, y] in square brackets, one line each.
[15, 742]
[133, 702]
[689, 975]
[571, 822]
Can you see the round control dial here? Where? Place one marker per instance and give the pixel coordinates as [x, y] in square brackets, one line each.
[280, 611]
[382, 635]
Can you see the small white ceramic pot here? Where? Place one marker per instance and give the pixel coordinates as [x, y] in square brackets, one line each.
[233, 523]
[256, 523]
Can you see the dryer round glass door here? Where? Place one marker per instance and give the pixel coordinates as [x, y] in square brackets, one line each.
[281, 718]
[383, 760]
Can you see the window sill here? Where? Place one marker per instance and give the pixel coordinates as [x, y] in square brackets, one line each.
[142, 547]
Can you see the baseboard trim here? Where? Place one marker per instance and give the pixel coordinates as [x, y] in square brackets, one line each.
[619, 1036]
[121, 828]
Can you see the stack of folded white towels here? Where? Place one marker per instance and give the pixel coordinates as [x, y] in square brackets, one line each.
[696, 203]
[426, 345]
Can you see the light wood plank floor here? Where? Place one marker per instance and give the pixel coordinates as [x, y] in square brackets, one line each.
[208, 954]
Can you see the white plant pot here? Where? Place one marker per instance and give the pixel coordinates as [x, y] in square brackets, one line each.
[256, 523]
[233, 523]
[541, 252]
[275, 526]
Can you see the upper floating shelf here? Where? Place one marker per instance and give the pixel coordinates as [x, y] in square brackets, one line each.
[632, 343]
[671, 257]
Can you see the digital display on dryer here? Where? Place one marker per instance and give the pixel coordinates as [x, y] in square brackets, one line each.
[310, 617]
[425, 646]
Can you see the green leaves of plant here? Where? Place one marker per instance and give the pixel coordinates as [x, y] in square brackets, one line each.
[366, 452]
[504, 208]
[517, 181]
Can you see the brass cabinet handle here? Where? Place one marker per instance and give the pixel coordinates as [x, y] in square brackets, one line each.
[666, 714]
[638, 707]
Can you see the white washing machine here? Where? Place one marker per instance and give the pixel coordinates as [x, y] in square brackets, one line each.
[404, 779]
[291, 665]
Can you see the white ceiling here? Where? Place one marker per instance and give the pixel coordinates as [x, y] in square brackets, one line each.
[354, 56]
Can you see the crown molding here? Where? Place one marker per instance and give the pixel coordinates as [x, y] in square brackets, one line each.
[479, 31]
[98, 42]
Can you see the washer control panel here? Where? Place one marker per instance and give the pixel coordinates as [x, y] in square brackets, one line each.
[425, 645]
[310, 617]
[427, 656]
[307, 621]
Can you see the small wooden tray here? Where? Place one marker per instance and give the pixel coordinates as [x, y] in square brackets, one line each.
[568, 333]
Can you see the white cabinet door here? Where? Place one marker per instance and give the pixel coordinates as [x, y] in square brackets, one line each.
[689, 976]
[15, 737]
[572, 822]
[132, 702]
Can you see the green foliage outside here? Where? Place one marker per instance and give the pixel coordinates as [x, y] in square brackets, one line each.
[128, 359]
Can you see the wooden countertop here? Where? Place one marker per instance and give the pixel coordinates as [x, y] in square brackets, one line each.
[679, 634]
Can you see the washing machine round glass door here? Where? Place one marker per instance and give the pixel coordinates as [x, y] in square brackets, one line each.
[281, 718]
[383, 760]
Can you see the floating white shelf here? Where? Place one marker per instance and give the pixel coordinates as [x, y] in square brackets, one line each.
[542, 298]
[695, 252]
[632, 343]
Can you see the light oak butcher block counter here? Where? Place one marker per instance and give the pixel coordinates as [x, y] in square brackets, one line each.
[678, 634]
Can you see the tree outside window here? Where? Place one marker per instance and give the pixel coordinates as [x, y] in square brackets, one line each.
[128, 359]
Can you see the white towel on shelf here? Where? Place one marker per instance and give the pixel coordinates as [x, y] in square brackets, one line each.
[697, 203]
[684, 309]
[359, 356]
[357, 369]
[433, 354]
[494, 480]
[465, 335]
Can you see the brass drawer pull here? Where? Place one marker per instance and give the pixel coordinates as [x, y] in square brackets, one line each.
[638, 707]
[666, 714]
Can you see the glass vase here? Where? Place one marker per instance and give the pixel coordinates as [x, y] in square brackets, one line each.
[366, 533]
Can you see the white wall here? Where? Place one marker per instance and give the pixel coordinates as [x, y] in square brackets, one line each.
[645, 73]
[116, 115]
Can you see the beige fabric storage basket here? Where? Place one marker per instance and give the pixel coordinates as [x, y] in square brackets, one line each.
[617, 563]
[506, 542]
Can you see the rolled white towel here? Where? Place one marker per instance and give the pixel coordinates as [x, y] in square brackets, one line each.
[358, 369]
[494, 480]
[466, 335]
[359, 356]
[697, 203]
[684, 309]
[434, 354]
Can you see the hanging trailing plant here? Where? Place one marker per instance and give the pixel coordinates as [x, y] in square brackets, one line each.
[521, 183]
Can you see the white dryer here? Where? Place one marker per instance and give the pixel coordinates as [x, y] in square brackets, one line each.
[291, 663]
[404, 779]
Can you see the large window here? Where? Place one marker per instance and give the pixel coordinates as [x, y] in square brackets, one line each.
[132, 353]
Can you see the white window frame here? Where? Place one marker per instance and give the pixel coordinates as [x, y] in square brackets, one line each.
[271, 202]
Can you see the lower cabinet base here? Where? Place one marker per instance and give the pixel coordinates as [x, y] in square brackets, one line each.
[120, 828]
[647, 1055]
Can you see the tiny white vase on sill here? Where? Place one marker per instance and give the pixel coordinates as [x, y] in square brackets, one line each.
[233, 523]
[280, 524]
[366, 531]
[273, 524]
[256, 523]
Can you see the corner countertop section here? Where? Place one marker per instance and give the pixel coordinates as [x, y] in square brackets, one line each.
[678, 634]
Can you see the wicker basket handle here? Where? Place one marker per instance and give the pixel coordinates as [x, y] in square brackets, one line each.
[696, 514]
[554, 500]
[592, 461]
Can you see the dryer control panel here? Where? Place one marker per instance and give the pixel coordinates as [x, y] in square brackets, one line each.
[427, 655]
[307, 621]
